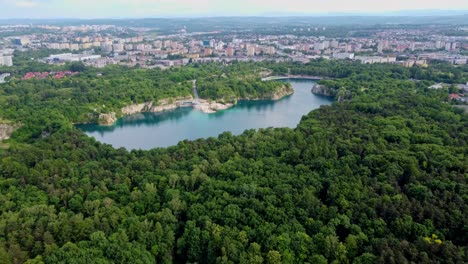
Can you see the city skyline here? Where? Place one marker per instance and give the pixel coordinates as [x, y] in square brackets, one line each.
[186, 8]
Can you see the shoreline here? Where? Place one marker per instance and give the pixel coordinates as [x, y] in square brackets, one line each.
[169, 104]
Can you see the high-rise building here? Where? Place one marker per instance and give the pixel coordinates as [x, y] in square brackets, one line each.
[21, 41]
[118, 47]
[229, 51]
[140, 47]
[334, 44]
[270, 50]
[157, 44]
[106, 47]
[251, 51]
[448, 46]
[454, 45]
[380, 47]
[208, 52]
[166, 44]
[220, 45]
[319, 46]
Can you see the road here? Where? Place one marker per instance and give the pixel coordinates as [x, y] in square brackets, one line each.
[195, 92]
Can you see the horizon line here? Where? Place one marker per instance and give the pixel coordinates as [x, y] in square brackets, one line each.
[399, 13]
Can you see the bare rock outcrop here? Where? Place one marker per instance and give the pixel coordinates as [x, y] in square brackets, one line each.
[211, 107]
[107, 119]
[6, 130]
[322, 90]
[137, 108]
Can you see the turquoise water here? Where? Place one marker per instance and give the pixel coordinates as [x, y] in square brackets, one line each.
[150, 130]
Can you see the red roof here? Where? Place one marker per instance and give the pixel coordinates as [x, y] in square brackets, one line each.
[455, 96]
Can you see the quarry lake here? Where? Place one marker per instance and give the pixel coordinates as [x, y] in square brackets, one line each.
[151, 130]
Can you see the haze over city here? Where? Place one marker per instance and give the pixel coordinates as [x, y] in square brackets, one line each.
[189, 8]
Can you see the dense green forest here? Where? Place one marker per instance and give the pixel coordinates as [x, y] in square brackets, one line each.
[81, 98]
[380, 178]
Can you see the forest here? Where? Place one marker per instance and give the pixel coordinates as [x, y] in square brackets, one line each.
[81, 98]
[380, 177]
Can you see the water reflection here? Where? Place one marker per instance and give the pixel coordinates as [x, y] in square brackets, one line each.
[149, 130]
[137, 120]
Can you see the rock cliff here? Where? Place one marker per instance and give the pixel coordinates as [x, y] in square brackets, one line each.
[107, 119]
[285, 90]
[137, 108]
[323, 90]
[211, 107]
[282, 92]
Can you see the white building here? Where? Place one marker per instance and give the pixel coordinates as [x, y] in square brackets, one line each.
[343, 56]
[6, 60]
[69, 57]
[375, 59]
[64, 46]
[251, 51]
[74, 47]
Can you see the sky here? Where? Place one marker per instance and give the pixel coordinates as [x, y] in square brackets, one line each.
[197, 8]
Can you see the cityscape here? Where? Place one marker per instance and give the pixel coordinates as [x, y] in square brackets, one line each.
[101, 45]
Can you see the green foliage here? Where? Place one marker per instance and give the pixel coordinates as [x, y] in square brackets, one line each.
[380, 178]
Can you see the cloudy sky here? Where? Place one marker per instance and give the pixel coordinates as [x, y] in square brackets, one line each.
[170, 8]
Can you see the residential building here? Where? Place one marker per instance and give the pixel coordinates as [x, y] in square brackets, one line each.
[251, 51]
[6, 60]
[229, 51]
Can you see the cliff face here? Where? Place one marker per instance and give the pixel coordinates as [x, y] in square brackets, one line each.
[137, 108]
[322, 90]
[284, 91]
[211, 107]
[6, 130]
[107, 119]
[161, 106]
[168, 104]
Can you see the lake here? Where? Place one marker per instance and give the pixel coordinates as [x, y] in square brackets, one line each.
[151, 130]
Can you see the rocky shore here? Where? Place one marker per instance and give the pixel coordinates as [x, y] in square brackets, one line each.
[211, 107]
[169, 104]
[107, 119]
[322, 90]
[163, 105]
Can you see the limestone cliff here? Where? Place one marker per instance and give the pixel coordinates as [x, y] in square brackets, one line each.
[137, 108]
[168, 104]
[283, 91]
[6, 130]
[211, 106]
[107, 119]
[323, 90]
